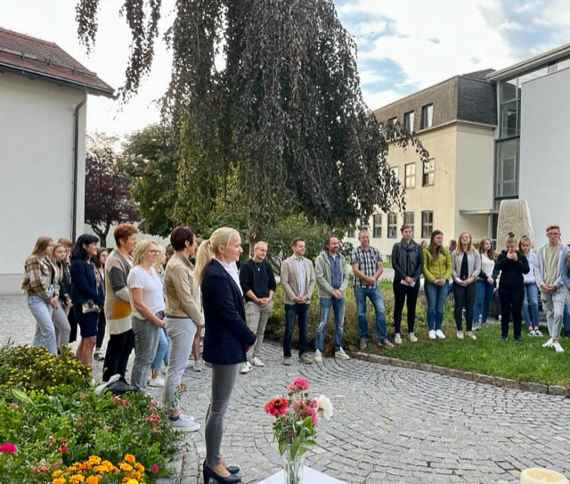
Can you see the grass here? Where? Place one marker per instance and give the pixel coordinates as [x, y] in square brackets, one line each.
[525, 361]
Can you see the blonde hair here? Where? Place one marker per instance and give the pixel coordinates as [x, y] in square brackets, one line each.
[140, 250]
[460, 244]
[525, 238]
[210, 248]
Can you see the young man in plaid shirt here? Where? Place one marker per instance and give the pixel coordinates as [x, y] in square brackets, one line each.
[367, 268]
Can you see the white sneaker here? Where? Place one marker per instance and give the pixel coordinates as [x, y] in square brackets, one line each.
[439, 333]
[549, 343]
[318, 356]
[257, 362]
[532, 332]
[157, 382]
[460, 335]
[197, 365]
[431, 334]
[101, 388]
[341, 355]
[413, 338]
[398, 339]
[537, 332]
[245, 368]
[471, 335]
[558, 347]
[185, 424]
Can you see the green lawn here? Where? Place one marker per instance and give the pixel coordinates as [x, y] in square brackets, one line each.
[526, 361]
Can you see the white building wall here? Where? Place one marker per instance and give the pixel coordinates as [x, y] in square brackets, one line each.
[36, 160]
[544, 172]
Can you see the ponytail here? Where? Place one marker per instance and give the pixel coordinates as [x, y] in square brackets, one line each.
[209, 249]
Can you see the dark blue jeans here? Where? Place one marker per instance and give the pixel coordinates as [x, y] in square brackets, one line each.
[298, 312]
[436, 297]
[483, 298]
[375, 296]
[530, 305]
[338, 309]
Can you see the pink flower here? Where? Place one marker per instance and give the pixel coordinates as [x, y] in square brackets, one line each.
[8, 448]
[153, 418]
[277, 406]
[306, 408]
[154, 468]
[299, 384]
[63, 449]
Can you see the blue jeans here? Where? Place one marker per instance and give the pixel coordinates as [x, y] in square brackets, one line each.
[338, 309]
[530, 305]
[162, 351]
[435, 297]
[375, 296]
[566, 320]
[483, 298]
[45, 335]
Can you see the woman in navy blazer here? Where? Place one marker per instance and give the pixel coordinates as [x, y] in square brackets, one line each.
[86, 294]
[227, 338]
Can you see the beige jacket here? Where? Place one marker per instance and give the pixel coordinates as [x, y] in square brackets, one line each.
[182, 295]
[289, 279]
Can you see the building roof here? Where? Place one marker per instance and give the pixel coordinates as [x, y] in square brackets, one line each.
[529, 65]
[46, 60]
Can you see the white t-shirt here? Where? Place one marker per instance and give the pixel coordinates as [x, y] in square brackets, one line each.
[150, 283]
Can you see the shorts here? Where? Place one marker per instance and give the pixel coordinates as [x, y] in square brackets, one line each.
[88, 324]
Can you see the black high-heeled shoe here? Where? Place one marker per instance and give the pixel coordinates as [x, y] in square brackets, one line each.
[233, 469]
[209, 474]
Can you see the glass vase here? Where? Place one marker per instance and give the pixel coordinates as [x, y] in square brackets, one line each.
[293, 469]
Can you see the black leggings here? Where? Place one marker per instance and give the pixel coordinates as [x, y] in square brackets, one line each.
[464, 299]
[511, 305]
[408, 294]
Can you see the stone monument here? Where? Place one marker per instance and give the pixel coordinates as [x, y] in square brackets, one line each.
[514, 216]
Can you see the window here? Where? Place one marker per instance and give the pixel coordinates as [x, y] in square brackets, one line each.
[409, 121]
[377, 226]
[427, 116]
[409, 220]
[427, 224]
[506, 170]
[510, 108]
[392, 225]
[410, 175]
[428, 173]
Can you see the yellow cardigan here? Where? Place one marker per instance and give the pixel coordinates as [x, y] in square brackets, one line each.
[436, 267]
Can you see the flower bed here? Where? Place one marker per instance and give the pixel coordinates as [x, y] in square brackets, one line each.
[73, 435]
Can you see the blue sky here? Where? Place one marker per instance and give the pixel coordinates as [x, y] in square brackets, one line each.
[403, 45]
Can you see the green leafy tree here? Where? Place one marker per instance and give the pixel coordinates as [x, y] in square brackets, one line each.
[283, 122]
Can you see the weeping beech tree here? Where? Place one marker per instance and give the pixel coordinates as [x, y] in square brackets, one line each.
[266, 104]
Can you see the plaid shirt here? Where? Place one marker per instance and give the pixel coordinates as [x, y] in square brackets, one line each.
[367, 260]
[39, 278]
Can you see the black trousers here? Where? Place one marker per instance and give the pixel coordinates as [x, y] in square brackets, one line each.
[101, 325]
[295, 312]
[464, 300]
[117, 355]
[73, 319]
[512, 299]
[409, 295]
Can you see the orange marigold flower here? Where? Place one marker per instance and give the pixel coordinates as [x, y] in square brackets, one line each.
[56, 473]
[130, 458]
[125, 467]
[94, 479]
[77, 478]
[58, 480]
[139, 467]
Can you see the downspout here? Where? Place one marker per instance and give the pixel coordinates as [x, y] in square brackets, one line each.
[75, 168]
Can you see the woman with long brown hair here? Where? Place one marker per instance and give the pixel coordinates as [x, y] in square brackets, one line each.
[59, 316]
[485, 284]
[466, 268]
[436, 268]
[39, 284]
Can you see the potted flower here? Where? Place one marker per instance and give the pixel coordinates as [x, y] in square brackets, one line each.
[295, 426]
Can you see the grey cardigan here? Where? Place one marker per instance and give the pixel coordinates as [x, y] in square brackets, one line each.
[473, 264]
[323, 273]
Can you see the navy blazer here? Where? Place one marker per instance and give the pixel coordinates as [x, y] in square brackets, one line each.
[84, 283]
[227, 335]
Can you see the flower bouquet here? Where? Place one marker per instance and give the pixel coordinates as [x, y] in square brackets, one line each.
[295, 427]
